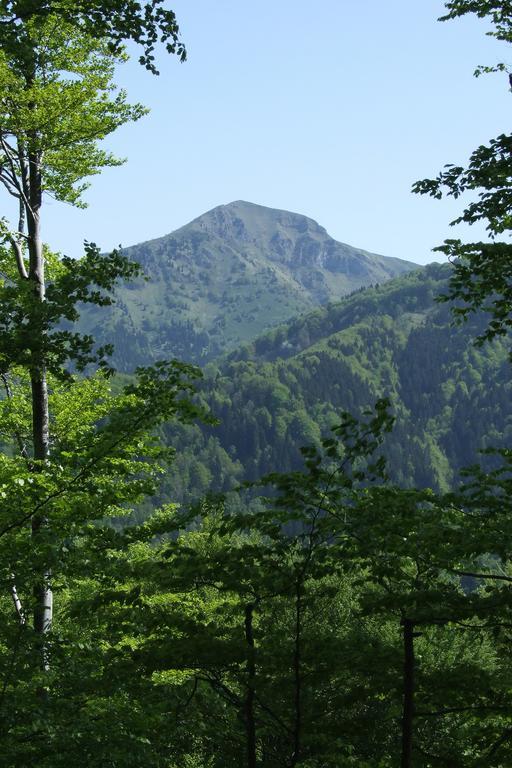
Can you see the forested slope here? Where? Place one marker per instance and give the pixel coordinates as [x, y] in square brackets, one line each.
[288, 388]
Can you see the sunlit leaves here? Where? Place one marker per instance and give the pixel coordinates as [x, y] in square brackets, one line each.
[116, 21]
[60, 107]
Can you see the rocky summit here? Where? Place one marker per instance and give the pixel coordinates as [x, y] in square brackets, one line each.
[225, 278]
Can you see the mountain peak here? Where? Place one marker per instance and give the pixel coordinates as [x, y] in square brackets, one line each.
[232, 273]
[246, 220]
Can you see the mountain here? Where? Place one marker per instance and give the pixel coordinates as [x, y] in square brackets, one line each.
[224, 279]
[288, 387]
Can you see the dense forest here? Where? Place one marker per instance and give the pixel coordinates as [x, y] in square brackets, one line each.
[347, 606]
[285, 390]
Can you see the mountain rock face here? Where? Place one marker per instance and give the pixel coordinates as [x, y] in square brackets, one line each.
[225, 278]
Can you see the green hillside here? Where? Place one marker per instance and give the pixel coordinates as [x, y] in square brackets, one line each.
[289, 386]
[224, 279]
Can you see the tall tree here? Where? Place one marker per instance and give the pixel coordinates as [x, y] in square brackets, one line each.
[57, 101]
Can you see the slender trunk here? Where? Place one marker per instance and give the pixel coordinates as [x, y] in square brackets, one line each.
[43, 598]
[408, 694]
[40, 415]
[297, 662]
[40, 420]
[250, 724]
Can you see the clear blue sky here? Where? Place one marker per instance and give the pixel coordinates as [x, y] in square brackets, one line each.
[331, 110]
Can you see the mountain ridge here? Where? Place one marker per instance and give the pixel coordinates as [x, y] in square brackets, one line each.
[225, 278]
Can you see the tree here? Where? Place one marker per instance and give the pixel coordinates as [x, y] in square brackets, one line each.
[319, 626]
[58, 100]
[481, 279]
[482, 271]
[105, 458]
[499, 11]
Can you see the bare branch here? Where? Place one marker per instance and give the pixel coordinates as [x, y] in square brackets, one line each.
[18, 251]
[12, 190]
[21, 221]
[21, 184]
[18, 255]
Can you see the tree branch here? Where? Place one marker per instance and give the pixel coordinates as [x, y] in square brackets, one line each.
[495, 576]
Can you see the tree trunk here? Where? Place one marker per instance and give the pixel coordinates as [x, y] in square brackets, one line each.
[250, 724]
[43, 598]
[17, 603]
[408, 695]
[297, 663]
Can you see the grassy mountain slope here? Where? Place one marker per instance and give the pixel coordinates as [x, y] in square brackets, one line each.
[287, 387]
[227, 277]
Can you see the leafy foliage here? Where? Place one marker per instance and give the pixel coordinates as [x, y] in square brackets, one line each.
[24, 323]
[330, 620]
[57, 107]
[481, 270]
[145, 24]
[273, 635]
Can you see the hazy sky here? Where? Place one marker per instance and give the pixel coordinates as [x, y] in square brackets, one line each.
[331, 111]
